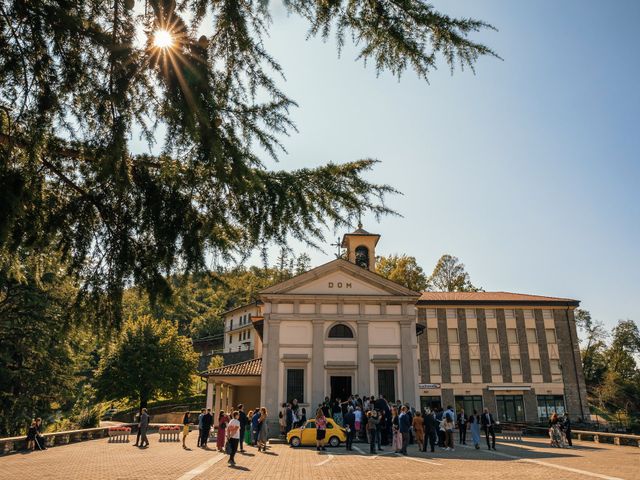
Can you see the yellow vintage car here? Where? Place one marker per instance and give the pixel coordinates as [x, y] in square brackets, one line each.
[306, 435]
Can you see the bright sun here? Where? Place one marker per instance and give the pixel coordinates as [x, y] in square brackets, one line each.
[162, 39]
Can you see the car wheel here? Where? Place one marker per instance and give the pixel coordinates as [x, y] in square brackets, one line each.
[295, 441]
[334, 442]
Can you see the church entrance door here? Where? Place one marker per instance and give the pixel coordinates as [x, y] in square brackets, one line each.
[340, 387]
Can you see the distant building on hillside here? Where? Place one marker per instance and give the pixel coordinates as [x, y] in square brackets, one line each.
[239, 333]
[207, 347]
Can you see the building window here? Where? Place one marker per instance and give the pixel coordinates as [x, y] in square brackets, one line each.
[532, 335]
[231, 338]
[455, 367]
[475, 366]
[434, 367]
[231, 324]
[555, 367]
[516, 367]
[510, 408]
[295, 384]
[472, 335]
[430, 402]
[432, 335]
[249, 334]
[469, 403]
[452, 335]
[387, 384]
[536, 369]
[340, 331]
[512, 335]
[496, 369]
[551, 335]
[550, 404]
[492, 335]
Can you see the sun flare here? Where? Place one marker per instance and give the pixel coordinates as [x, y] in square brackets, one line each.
[162, 39]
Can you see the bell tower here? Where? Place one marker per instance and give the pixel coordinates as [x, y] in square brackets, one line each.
[361, 247]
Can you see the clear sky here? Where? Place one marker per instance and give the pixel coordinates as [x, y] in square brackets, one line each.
[527, 171]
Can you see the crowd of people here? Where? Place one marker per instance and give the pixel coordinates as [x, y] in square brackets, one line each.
[381, 423]
[378, 422]
[233, 430]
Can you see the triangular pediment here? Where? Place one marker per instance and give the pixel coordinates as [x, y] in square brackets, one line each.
[339, 277]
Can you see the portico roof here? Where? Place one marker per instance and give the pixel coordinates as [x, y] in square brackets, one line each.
[248, 368]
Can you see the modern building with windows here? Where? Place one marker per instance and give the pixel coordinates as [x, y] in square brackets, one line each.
[516, 354]
[341, 329]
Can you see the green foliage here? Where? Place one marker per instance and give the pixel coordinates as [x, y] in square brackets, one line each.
[449, 275]
[42, 348]
[74, 81]
[200, 299]
[612, 373]
[216, 362]
[88, 418]
[402, 269]
[594, 360]
[147, 359]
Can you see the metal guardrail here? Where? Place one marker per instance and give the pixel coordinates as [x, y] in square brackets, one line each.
[595, 436]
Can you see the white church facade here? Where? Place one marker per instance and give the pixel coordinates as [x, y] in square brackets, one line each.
[334, 331]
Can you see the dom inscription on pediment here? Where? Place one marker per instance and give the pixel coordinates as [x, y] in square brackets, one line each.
[339, 284]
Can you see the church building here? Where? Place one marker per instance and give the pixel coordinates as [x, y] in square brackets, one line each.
[334, 331]
[341, 329]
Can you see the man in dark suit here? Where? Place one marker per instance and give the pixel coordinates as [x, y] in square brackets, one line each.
[242, 418]
[207, 422]
[404, 424]
[488, 425]
[430, 429]
[350, 424]
[462, 426]
[288, 413]
[566, 428]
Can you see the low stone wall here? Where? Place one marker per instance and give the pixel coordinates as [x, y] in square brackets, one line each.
[12, 444]
[15, 444]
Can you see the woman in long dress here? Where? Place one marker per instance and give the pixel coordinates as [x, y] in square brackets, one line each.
[418, 429]
[396, 442]
[263, 433]
[475, 429]
[223, 421]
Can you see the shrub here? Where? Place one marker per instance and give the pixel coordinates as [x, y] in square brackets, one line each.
[88, 418]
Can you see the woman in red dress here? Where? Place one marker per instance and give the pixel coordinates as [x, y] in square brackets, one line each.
[223, 421]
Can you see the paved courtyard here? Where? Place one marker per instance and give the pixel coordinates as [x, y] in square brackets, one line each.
[530, 459]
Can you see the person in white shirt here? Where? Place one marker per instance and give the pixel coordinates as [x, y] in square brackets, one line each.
[233, 436]
[358, 414]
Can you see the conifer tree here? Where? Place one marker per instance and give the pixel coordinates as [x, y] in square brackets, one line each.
[75, 82]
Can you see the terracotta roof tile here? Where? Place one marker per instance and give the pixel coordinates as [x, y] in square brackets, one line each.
[492, 297]
[248, 368]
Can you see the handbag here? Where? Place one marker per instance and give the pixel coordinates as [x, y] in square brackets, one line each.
[227, 448]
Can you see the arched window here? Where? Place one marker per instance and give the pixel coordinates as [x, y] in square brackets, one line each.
[362, 256]
[340, 331]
